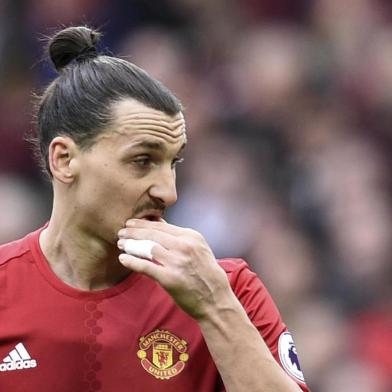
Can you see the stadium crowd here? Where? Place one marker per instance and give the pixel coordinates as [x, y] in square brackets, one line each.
[288, 108]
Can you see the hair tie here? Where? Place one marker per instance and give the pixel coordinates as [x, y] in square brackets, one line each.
[89, 52]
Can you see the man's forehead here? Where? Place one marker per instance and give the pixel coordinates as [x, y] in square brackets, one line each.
[131, 109]
[134, 121]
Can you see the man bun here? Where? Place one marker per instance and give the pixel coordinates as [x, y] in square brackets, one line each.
[72, 43]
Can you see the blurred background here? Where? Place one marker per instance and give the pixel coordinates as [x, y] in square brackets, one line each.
[289, 108]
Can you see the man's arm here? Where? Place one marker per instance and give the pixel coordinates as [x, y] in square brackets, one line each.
[184, 265]
[239, 352]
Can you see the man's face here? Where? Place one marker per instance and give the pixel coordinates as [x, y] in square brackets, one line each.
[130, 170]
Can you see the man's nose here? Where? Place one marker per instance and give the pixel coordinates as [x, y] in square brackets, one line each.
[164, 187]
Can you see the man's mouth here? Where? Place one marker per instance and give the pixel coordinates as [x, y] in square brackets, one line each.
[152, 215]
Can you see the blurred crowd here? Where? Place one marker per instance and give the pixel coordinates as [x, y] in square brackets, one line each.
[289, 119]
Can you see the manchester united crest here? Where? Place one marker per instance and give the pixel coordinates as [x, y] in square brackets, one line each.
[162, 354]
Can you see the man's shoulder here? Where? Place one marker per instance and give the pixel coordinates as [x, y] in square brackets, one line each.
[239, 272]
[14, 250]
[235, 267]
[233, 264]
[242, 279]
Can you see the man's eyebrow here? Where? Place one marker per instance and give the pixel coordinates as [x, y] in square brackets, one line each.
[151, 145]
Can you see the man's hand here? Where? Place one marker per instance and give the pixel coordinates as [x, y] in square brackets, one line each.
[182, 263]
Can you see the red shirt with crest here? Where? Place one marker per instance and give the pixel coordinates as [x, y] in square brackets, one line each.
[131, 337]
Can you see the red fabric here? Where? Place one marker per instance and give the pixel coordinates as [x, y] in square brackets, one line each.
[90, 341]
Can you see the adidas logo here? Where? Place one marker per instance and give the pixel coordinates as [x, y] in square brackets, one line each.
[17, 359]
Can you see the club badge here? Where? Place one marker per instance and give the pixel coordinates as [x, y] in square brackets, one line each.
[162, 354]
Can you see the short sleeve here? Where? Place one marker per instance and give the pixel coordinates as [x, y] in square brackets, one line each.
[265, 316]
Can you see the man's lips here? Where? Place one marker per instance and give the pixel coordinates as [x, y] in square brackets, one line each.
[151, 215]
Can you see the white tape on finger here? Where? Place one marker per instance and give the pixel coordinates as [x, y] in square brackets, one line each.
[139, 248]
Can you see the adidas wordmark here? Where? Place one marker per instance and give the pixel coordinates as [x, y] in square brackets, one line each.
[17, 359]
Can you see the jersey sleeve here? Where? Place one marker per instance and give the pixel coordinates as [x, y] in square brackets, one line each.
[265, 316]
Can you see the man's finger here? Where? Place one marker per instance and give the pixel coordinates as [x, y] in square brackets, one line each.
[138, 248]
[166, 240]
[145, 249]
[142, 266]
[161, 226]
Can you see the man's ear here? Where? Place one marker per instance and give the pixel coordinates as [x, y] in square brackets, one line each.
[63, 159]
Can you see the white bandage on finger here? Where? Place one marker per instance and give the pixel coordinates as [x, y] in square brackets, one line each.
[139, 248]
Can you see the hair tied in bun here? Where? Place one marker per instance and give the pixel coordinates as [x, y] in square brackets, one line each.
[72, 43]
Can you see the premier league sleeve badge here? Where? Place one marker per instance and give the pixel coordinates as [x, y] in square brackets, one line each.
[289, 358]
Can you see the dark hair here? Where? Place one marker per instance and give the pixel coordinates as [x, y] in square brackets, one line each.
[78, 103]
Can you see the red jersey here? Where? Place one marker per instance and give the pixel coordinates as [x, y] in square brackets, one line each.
[131, 337]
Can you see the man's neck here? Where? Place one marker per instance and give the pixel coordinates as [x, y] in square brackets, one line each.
[79, 259]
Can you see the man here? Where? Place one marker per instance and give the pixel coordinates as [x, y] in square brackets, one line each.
[78, 313]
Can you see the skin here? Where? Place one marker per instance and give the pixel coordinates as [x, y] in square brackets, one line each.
[131, 168]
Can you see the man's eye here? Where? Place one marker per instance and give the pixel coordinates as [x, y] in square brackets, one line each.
[176, 161]
[143, 162]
